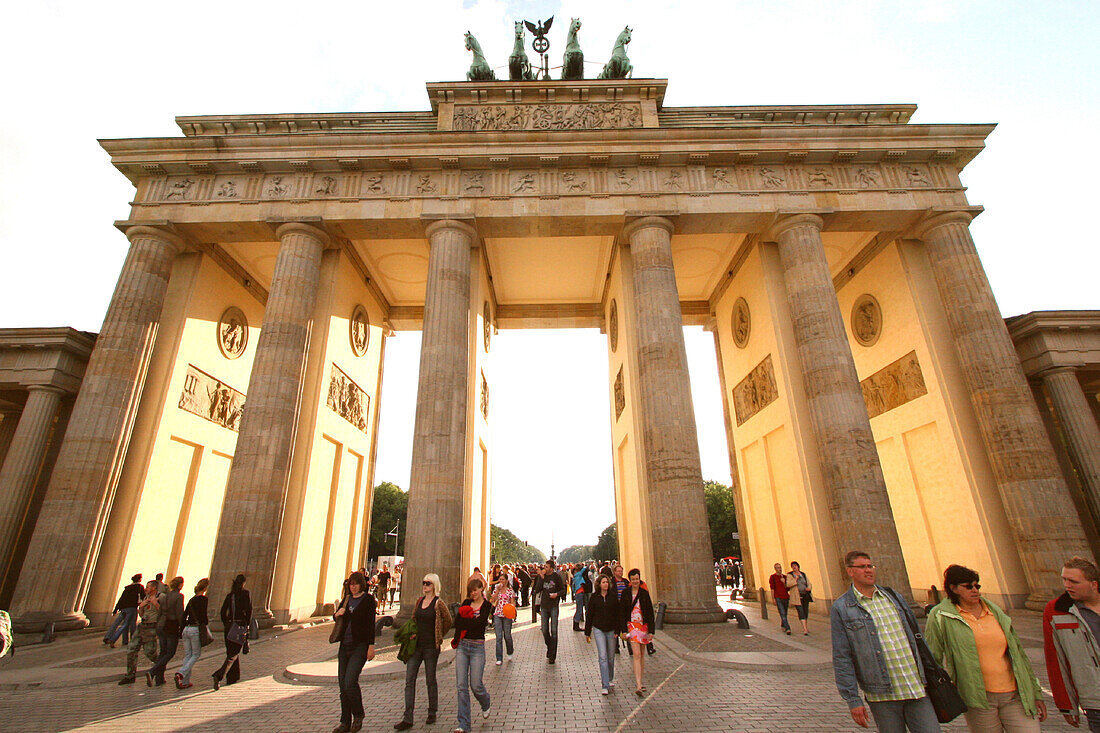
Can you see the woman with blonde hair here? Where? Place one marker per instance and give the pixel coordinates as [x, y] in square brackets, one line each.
[195, 619]
[433, 620]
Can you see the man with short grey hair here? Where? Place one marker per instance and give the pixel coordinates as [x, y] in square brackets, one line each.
[874, 649]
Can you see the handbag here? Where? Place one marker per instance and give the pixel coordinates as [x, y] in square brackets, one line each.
[205, 637]
[235, 633]
[339, 623]
[942, 692]
[807, 596]
[509, 611]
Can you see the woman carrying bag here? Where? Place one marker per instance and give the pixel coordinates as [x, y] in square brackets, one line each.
[636, 617]
[432, 621]
[799, 587]
[236, 616]
[355, 632]
[194, 632]
[504, 613]
[979, 648]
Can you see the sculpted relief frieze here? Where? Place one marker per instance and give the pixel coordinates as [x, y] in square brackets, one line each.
[211, 399]
[588, 116]
[756, 391]
[893, 385]
[507, 182]
[347, 399]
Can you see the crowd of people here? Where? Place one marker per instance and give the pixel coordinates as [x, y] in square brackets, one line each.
[608, 607]
[153, 619]
[883, 664]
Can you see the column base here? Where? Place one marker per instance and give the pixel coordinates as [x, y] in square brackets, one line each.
[707, 613]
[36, 621]
[1038, 601]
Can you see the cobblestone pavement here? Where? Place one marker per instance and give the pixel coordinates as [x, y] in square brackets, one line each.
[527, 694]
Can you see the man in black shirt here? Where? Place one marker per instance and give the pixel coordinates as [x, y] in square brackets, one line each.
[382, 588]
[550, 589]
[524, 584]
[126, 610]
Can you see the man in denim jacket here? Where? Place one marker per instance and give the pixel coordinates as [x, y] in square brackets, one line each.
[874, 649]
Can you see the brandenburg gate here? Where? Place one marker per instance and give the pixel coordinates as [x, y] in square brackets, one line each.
[228, 417]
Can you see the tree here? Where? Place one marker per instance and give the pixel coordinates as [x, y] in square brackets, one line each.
[507, 549]
[722, 519]
[391, 505]
[607, 547]
[576, 553]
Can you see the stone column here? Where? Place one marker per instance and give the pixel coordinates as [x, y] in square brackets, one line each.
[255, 492]
[8, 420]
[1080, 428]
[1036, 500]
[20, 470]
[78, 499]
[683, 568]
[433, 542]
[858, 499]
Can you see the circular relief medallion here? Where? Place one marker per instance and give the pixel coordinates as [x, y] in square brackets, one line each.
[613, 325]
[359, 330]
[866, 320]
[232, 332]
[487, 326]
[742, 325]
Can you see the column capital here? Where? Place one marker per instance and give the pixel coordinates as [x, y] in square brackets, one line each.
[648, 222]
[441, 224]
[787, 222]
[939, 219]
[1060, 369]
[300, 227]
[44, 388]
[142, 231]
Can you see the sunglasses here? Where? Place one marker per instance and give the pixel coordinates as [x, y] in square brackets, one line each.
[426, 582]
[970, 586]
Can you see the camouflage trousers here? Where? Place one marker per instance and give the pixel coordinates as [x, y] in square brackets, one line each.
[144, 637]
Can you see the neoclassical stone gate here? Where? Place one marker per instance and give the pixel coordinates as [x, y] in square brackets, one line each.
[871, 392]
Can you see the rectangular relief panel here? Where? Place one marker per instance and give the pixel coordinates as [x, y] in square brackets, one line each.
[348, 400]
[756, 391]
[894, 385]
[211, 399]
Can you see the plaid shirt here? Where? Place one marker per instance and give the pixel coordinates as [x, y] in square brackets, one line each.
[905, 679]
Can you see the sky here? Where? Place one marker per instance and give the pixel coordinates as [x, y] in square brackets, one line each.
[76, 72]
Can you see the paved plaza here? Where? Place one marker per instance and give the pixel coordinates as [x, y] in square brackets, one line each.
[705, 678]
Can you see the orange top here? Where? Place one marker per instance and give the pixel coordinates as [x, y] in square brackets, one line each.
[992, 651]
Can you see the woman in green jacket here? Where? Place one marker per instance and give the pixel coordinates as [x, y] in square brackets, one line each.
[978, 647]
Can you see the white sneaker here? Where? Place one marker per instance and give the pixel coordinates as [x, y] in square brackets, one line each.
[611, 684]
[498, 662]
[485, 713]
[604, 691]
[509, 657]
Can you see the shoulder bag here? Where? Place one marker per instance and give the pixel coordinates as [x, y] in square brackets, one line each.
[235, 633]
[943, 693]
[339, 623]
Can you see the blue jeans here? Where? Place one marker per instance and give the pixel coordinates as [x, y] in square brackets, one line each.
[550, 630]
[123, 626]
[503, 628]
[469, 668]
[578, 615]
[783, 604]
[898, 716]
[192, 648]
[349, 664]
[605, 649]
[168, 645]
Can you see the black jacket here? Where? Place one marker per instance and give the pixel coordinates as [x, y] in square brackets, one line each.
[195, 613]
[131, 596]
[241, 601]
[626, 605]
[603, 614]
[546, 585]
[361, 620]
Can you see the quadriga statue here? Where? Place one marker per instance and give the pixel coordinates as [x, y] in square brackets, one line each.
[619, 66]
[479, 69]
[572, 65]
